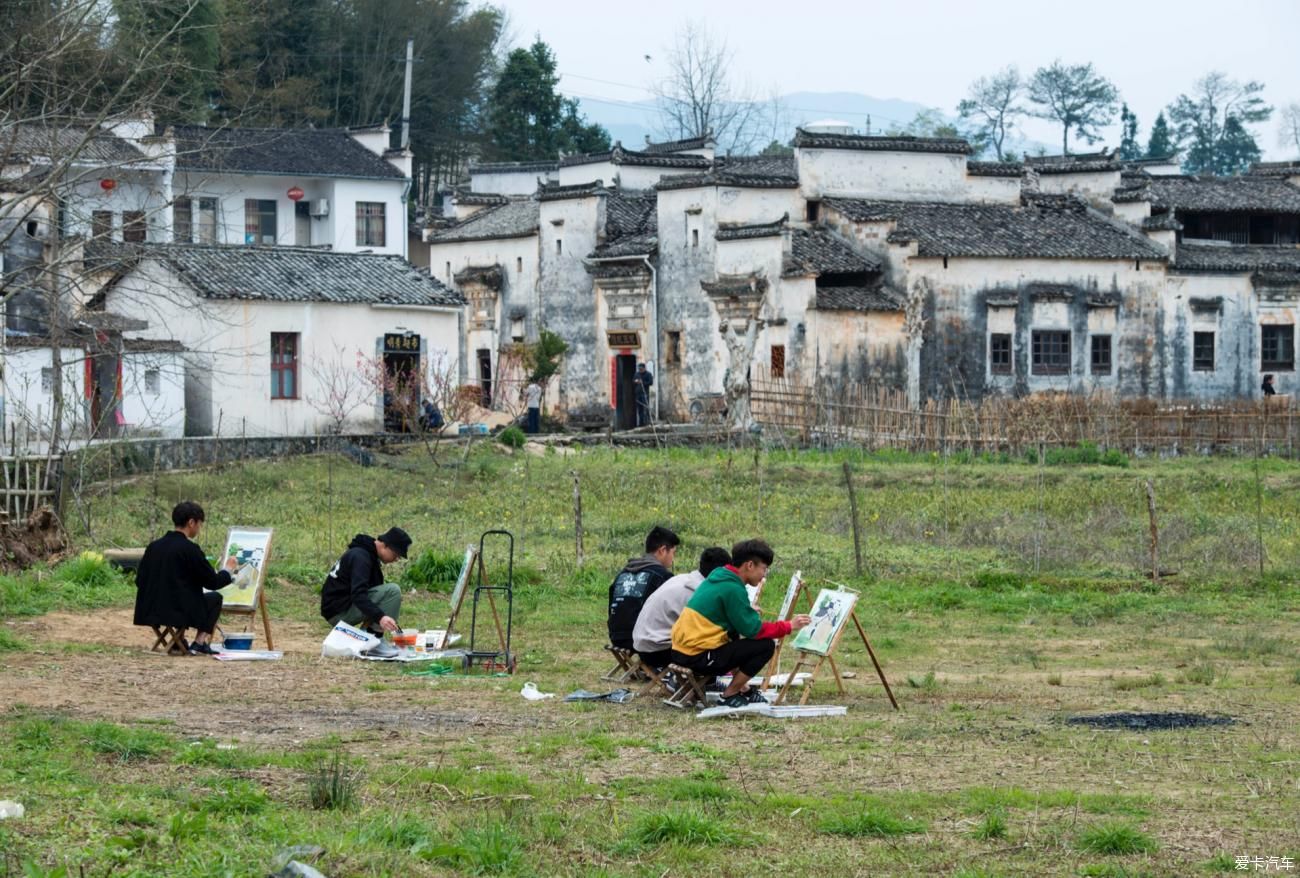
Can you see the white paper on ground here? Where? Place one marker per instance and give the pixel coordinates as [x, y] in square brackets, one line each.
[345, 641]
[783, 711]
[779, 679]
[249, 655]
[530, 692]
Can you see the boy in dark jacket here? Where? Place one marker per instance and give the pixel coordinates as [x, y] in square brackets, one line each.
[637, 581]
[172, 577]
[355, 591]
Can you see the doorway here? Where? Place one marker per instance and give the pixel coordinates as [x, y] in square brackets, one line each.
[484, 356]
[625, 391]
[301, 224]
[105, 394]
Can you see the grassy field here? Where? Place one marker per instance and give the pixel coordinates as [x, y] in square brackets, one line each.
[1002, 597]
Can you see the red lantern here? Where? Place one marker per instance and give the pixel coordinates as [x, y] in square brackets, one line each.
[296, 194]
[108, 185]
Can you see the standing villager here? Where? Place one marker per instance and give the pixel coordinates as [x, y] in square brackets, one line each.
[533, 400]
[644, 380]
[175, 584]
[1267, 387]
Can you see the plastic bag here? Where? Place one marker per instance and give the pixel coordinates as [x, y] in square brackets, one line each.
[530, 692]
[347, 642]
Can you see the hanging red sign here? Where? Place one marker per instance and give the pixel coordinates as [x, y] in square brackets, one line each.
[296, 194]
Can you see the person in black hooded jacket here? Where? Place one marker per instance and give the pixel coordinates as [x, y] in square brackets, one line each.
[355, 592]
[637, 581]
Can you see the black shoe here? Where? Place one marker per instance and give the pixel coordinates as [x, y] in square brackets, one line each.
[201, 649]
[744, 698]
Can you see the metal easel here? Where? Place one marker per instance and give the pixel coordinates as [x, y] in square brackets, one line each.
[499, 658]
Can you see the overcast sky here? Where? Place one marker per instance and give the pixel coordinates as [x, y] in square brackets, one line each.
[929, 51]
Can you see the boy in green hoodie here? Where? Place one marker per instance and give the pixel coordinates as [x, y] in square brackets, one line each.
[719, 631]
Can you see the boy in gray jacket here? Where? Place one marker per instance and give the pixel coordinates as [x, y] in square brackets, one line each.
[652, 637]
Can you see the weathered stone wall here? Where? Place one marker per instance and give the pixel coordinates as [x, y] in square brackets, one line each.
[568, 234]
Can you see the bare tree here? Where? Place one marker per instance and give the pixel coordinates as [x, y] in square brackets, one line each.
[994, 104]
[1076, 97]
[699, 95]
[341, 388]
[1289, 134]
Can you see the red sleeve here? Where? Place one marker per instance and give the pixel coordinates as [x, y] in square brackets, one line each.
[773, 630]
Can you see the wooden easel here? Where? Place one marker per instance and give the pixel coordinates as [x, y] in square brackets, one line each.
[472, 560]
[806, 657]
[259, 603]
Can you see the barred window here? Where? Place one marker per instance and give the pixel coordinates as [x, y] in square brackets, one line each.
[1050, 352]
[1000, 353]
[370, 224]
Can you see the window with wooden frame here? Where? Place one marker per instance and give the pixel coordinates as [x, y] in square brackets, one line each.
[101, 224]
[1100, 355]
[183, 221]
[1050, 352]
[778, 361]
[134, 228]
[284, 365]
[207, 221]
[1000, 353]
[259, 221]
[1202, 351]
[1277, 347]
[370, 224]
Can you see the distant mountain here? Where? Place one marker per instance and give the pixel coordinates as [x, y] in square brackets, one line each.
[633, 122]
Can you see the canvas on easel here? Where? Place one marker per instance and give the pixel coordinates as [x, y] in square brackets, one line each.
[787, 607]
[831, 612]
[458, 591]
[246, 595]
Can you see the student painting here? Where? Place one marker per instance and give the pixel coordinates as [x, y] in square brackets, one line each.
[652, 637]
[720, 632]
[638, 580]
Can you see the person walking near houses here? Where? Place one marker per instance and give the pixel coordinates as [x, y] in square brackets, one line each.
[533, 400]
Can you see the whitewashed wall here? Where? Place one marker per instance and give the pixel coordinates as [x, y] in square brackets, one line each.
[153, 405]
[230, 348]
[29, 406]
[900, 176]
[524, 182]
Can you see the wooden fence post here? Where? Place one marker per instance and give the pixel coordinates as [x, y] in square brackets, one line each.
[577, 518]
[853, 514]
[1155, 532]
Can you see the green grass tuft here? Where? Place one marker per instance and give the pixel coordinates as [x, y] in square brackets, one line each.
[332, 784]
[689, 827]
[1115, 838]
[994, 825]
[126, 744]
[489, 850]
[869, 824]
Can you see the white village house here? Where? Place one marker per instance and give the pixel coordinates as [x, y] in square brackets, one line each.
[223, 279]
[894, 260]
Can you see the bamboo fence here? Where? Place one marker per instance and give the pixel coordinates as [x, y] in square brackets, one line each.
[880, 417]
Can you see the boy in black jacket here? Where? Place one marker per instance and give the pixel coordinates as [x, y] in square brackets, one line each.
[355, 591]
[637, 581]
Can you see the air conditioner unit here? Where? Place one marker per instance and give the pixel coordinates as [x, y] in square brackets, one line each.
[320, 207]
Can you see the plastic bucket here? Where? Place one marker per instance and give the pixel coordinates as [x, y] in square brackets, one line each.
[238, 641]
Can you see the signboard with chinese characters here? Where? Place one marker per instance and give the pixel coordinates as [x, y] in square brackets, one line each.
[401, 341]
[624, 339]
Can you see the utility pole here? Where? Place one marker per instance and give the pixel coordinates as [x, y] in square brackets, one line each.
[406, 94]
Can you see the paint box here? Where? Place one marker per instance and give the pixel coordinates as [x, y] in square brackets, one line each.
[238, 641]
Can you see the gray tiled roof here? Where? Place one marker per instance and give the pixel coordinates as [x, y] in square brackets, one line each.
[1162, 222]
[474, 199]
[512, 167]
[746, 231]
[680, 145]
[1275, 169]
[296, 274]
[620, 156]
[875, 298]
[1218, 194]
[995, 169]
[900, 143]
[556, 192]
[631, 212]
[301, 152]
[30, 140]
[1077, 163]
[1214, 256]
[1046, 227]
[818, 251]
[627, 246]
[514, 219]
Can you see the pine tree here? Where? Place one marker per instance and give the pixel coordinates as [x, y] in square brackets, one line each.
[1161, 143]
[1237, 149]
[528, 119]
[1128, 142]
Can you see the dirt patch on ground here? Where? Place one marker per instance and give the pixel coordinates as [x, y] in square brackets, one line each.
[296, 699]
[38, 540]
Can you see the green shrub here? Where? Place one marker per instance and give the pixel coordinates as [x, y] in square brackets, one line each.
[512, 436]
[9, 641]
[89, 570]
[432, 569]
[1115, 838]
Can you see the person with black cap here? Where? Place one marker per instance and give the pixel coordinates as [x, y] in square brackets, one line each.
[355, 591]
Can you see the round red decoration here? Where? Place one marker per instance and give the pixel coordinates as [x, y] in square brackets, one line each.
[108, 185]
[296, 194]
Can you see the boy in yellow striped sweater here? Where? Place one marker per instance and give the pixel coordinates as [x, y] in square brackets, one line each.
[719, 631]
